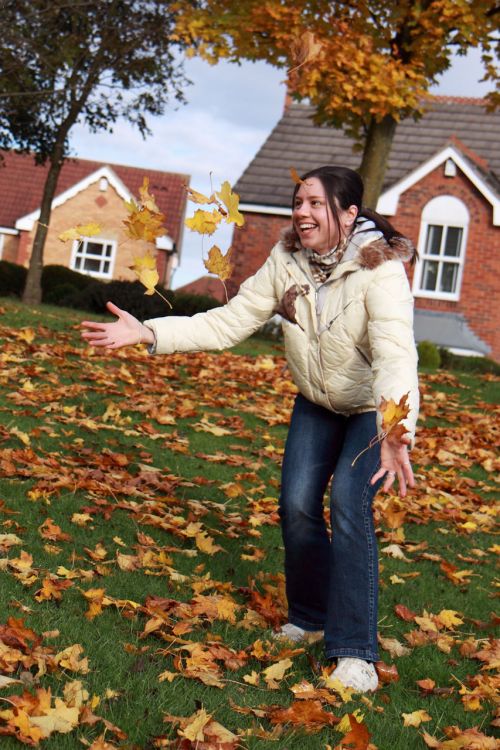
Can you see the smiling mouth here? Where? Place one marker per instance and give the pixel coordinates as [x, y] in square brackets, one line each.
[307, 227]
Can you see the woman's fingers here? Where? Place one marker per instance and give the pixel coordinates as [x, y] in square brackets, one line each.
[114, 309]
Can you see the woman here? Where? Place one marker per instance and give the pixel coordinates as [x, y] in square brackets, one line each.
[338, 280]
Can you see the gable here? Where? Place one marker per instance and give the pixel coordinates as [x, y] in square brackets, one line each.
[388, 201]
[22, 182]
[27, 222]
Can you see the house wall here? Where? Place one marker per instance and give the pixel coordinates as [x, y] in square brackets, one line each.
[480, 290]
[252, 244]
[9, 244]
[107, 209]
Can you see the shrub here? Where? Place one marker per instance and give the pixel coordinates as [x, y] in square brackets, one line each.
[12, 279]
[428, 355]
[56, 277]
[190, 304]
[450, 361]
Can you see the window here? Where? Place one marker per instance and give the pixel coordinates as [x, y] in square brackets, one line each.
[94, 257]
[442, 241]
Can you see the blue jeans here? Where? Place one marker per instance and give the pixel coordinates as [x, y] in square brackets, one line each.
[331, 585]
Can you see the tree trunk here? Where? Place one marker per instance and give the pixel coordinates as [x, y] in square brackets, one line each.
[32, 294]
[375, 158]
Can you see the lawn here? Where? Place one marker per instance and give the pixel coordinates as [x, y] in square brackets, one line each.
[141, 558]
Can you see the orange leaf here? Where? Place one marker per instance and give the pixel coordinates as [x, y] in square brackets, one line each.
[359, 736]
[393, 414]
[295, 176]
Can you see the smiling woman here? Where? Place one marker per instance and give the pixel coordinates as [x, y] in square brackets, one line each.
[338, 279]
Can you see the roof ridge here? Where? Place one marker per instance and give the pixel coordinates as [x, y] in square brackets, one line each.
[469, 152]
[448, 99]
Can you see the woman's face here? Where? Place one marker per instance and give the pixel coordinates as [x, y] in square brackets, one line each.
[313, 218]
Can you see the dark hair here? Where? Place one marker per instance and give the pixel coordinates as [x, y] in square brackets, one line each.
[344, 188]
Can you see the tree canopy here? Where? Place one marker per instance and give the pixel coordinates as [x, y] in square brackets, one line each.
[92, 61]
[363, 64]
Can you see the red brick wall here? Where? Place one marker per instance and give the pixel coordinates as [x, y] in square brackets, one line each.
[252, 245]
[480, 291]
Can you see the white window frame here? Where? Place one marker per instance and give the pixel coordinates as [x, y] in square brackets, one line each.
[445, 211]
[97, 274]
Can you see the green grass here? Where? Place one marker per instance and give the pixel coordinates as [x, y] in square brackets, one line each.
[122, 437]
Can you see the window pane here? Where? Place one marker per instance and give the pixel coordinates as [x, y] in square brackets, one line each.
[109, 248]
[433, 242]
[105, 267]
[449, 276]
[77, 263]
[94, 248]
[92, 266]
[429, 275]
[453, 241]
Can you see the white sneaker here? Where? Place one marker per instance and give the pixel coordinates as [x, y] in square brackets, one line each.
[293, 633]
[357, 674]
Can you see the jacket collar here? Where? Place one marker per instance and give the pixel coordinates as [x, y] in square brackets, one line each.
[367, 248]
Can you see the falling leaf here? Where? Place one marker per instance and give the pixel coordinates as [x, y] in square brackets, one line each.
[204, 222]
[295, 176]
[145, 269]
[80, 232]
[219, 264]
[305, 49]
[199, 198]
[144, 221]
[231, 201]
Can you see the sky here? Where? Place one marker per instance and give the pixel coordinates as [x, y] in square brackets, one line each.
[230, 112]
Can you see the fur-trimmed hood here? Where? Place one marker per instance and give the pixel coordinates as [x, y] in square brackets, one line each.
[366, 245]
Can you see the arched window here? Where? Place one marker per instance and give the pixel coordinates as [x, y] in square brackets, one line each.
[441, 245]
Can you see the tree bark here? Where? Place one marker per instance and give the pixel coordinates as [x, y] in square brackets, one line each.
[32, 294]
[375, 158]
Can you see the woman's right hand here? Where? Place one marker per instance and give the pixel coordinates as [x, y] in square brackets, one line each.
[125, 331]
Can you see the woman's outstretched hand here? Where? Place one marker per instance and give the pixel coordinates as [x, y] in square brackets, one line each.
[125, 331]
[395, 462]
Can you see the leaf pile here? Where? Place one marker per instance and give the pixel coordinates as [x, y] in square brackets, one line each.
[141, 560]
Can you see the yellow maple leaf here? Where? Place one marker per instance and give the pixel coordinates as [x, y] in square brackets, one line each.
[449, 618]
[147, 200]
[61, 718]
[275, 673]
[219, 264]
[204, 222]
[145, 269]
[80, 231]
[194, 729]
[199, 198]
[415, 718]
[231, 201]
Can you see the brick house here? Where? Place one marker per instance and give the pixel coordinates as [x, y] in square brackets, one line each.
[442, 189]
[87, 191]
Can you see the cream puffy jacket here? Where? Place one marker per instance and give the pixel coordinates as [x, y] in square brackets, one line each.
[348, 342]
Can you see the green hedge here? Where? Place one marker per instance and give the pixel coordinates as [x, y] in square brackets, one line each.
[66, 288]
[12, 279]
